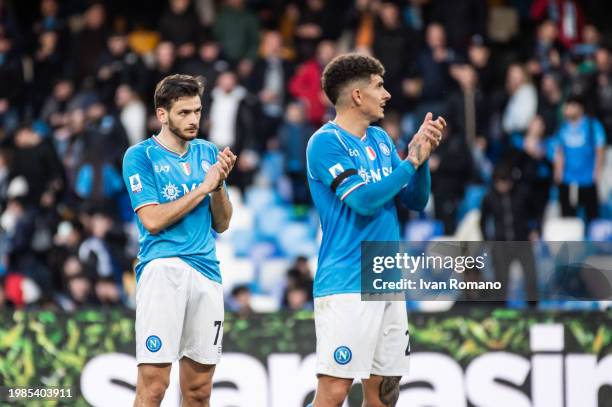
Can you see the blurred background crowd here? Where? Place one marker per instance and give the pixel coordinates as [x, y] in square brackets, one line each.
[525, 85]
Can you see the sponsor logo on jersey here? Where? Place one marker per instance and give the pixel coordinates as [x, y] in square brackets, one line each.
[135, 183]
[384, 148]
[186, 168]
[335, 170]
[343, 355]
[153, 343]
[369, 175]
[161, 168]
[353, 153]
[371, 153]
[170, 191]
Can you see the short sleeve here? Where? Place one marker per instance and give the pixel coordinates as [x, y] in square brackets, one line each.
[139, 178]
[329, 162]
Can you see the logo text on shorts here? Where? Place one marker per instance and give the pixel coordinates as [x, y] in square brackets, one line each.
[153, 343]
[343, 355]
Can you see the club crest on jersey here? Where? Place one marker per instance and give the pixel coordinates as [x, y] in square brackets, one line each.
[135, 183]
[335, 170]
[371, 153]
[206, 165]
[384, 148]
[186, 168]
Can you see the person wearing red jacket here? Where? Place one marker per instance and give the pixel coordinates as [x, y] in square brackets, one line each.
[567, 14]
[305, 85]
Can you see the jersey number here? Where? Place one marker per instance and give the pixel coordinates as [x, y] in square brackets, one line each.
[218, 324]
[408, 347]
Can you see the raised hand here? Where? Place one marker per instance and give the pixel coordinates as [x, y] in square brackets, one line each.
[426, 139]
[226, 159]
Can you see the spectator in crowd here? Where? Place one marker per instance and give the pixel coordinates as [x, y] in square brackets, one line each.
[546, 55]
[271, 73]
[461, 20]
[579, 160]
[316, 22]
[165, 64]
[603, 82]
[179, 24]
[479, 56]
[237, 30]
[534, 162]
[232, 123]
[299, 276]
[240, 301]
[54, 111]
[305, 85]
[48, 67]
[433, 65]
[117, 65]
[293, 137]
[566, 14]
[504, 218]
[11, 78]
[89, 43]
[132, 113]
[35, 160]
[450, 167]
[296, 299]
[550, 101]
[522, 100]
[391, 38]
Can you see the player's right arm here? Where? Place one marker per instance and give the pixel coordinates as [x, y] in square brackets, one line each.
[329, 162]
[155, 217]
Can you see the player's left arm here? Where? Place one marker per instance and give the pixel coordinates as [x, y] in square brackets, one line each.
[220, 205]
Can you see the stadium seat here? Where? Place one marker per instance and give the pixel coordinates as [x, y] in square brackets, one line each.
[242, 240]
[236, 272]
[270, 222]
[259, 198]
[235, 196]
[423, 230]
[272, 274]
[563, 230]
[600, 230]
[242, 218]
[264, 303]
[469, 227]
[472, 200]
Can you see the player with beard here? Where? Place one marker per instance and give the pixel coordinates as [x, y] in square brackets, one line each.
[176, 187]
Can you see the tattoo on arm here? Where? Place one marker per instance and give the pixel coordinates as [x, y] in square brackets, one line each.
[389, 390]
[415, 152]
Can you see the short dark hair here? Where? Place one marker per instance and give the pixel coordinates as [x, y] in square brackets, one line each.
[173, 87]
[347, 68]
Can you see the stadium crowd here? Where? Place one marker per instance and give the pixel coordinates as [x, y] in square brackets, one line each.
[526, 87]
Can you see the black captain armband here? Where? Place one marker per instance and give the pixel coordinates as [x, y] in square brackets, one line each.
[338, 180]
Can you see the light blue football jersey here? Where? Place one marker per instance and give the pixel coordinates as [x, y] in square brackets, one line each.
[154, 174]
[332, 151]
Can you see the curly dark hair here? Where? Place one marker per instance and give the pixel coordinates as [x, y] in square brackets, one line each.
[347, 68]
[173, 87]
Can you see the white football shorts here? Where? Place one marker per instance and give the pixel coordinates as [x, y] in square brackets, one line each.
[179, 313]
[358, 338]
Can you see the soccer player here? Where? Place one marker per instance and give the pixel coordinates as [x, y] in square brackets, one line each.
[176, 186]
[354, 173]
